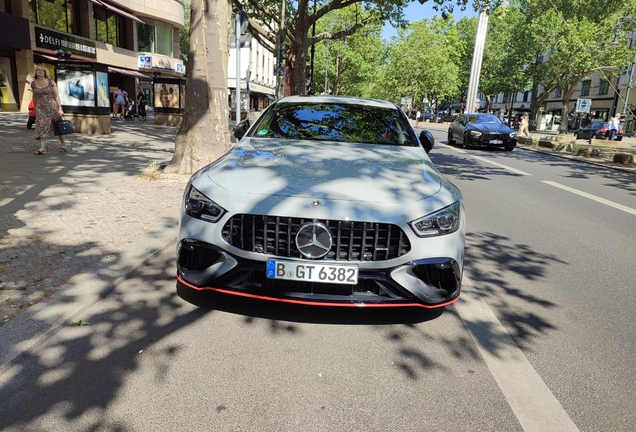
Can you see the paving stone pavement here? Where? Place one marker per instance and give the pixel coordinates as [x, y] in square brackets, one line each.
[63, 213]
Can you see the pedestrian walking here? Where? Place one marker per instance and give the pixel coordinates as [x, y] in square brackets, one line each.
[48, 108]
[121, 99]
[614, 126]
[418, 116]
[523, 126]
[141, 104]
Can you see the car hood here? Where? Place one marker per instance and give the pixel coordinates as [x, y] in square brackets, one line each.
[326, 170]
[486, 127]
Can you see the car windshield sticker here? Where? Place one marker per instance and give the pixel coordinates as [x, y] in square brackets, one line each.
[262, 132]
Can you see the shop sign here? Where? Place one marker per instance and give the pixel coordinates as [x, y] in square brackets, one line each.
[148, 62]
[53, 40]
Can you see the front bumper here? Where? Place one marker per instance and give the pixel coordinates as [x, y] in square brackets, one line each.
[428, 283]
[492, 140]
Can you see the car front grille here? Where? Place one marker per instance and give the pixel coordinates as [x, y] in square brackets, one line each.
[495, 136]
[352, 241]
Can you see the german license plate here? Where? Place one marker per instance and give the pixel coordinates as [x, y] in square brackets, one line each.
[314, 272]
[496, 142]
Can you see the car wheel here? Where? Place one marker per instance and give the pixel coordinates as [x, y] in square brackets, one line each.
[465, 142]
[451, 141]
[510, 147]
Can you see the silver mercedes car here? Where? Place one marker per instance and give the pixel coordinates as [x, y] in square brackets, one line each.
[328, 201]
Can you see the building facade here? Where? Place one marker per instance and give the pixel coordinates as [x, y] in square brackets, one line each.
[257, 77]
[92, 48]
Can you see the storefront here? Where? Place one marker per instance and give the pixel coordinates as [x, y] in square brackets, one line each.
[15, 37]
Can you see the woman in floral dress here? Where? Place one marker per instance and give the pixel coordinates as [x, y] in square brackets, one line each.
[48, 108]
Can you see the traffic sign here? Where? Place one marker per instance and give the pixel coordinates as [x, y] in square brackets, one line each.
[583, 105]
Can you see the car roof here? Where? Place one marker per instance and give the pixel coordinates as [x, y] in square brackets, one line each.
[336, 100]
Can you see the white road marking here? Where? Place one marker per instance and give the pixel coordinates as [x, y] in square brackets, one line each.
[453, 148]
[593, 197]
[516, 171]
[532, 402]
[488, 161]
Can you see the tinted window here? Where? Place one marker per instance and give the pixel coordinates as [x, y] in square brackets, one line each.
[598, 125]
[335, 122]
[483, 119]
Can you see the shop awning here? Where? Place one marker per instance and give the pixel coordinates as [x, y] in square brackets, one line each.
[117, 10]
[126, 72]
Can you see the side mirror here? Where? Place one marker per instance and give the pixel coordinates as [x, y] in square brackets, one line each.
[241, 129]
[427, 140]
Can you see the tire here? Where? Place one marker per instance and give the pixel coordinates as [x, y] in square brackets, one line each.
[451, 141]
[510, 148]
[465, 142]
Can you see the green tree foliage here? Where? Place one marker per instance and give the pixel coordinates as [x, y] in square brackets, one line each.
[580, 35]
[353, 61]
[300, 15]
[423, 62]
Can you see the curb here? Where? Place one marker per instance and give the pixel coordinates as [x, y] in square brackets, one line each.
[30, 329]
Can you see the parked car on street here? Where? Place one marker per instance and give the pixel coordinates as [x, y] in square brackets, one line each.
[481, 130]
[432, 117]
[596, 129]
[328, 201]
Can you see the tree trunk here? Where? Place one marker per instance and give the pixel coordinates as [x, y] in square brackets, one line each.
[567, 95]
[204, 136]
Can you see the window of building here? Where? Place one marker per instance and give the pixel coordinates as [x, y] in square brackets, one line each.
[505, 98]
[57, 14]
[585, 87]
[155, 39]
[557, 92]
[525, 96]
[603, 87]
[109, 27]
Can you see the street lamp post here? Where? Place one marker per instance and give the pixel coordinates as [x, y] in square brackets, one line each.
[629, 86]
[631, 70]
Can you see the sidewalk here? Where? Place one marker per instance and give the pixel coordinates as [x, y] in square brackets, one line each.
[73, 225]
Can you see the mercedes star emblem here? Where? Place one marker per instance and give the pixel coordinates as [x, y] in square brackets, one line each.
[314, 240]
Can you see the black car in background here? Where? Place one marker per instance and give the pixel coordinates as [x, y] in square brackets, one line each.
[481, 130]
[596, 129]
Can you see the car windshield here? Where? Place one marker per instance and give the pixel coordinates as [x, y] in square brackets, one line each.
[355, 123]
[598, 125]
[483, 119]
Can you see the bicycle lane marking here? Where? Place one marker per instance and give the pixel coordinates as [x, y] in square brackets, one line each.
[532, 402]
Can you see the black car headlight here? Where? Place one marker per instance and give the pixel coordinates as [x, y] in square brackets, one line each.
[444, 221]
[475, 133]
[201, 207]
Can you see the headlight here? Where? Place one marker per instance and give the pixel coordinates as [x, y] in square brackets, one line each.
[475, 133]
[201, 207]
[444, 221]
[513, 135]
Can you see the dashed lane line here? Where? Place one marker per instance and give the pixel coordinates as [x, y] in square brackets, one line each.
[592, 197]
[532, 402]
[488, 161]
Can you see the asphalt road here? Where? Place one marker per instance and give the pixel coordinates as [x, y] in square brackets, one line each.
[541, 340]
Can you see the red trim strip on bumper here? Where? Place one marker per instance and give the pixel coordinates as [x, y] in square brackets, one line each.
[315, 303]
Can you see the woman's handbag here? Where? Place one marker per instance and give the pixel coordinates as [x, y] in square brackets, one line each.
[63, 127]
